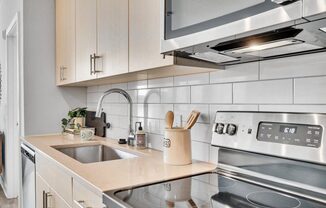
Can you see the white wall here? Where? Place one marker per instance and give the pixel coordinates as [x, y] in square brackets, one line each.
[295, 84]
[44, 103]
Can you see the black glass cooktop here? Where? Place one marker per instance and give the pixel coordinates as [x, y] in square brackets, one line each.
[211, 191]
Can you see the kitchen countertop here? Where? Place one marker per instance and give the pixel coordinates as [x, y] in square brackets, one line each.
[115, 174]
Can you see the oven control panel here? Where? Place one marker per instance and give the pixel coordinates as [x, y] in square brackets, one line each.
[292, 134]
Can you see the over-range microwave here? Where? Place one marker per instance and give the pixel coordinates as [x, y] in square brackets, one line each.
[197, 28]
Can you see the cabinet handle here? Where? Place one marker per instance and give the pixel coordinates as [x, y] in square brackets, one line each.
[81, 204]
[95, 57]
[60, 73]
[44, 200]
[91, 64]
[46, 195]
[63, 73]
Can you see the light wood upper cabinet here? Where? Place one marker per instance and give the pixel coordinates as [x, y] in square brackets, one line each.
[144, 36]
[65, 41]
[85, 38]
[112, 37]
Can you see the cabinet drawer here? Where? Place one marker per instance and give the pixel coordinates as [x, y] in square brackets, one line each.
[85, 197]
[55, 176]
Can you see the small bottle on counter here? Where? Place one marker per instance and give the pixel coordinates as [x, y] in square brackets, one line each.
[140, 137]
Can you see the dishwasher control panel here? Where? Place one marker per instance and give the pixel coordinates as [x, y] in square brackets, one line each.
[292, 134]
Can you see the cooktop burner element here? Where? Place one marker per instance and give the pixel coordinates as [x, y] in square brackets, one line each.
[267, 199]
[210, 191]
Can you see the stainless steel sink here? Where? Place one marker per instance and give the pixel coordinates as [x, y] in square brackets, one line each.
[94, 153]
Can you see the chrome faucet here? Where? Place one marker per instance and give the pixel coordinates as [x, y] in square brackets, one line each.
[127, 96]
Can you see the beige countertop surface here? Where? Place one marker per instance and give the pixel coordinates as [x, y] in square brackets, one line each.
[116, 174]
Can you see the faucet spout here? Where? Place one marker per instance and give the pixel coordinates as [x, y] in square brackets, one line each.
[124, 94]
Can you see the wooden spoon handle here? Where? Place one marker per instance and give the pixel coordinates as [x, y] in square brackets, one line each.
[169, 118]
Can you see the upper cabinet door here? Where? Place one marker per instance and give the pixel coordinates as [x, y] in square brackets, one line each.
[65, 41]
[144, 36]
[112, 37]
[85, 38]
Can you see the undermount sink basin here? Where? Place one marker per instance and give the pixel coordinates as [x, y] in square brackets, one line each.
[94, 153]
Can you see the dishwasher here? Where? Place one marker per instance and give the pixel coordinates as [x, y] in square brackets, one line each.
[28, 176]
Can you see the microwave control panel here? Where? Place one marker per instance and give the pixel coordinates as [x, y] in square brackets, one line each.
[291, 134]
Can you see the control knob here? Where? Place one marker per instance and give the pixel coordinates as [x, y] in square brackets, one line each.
[231, 129]
[218, 128]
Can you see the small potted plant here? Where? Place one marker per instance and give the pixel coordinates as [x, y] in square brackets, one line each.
[78, 116]
[75, 121]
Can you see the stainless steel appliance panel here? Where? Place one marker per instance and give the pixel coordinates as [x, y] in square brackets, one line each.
[204, 25]
[28, 176]
[314, 9]
[306, 146]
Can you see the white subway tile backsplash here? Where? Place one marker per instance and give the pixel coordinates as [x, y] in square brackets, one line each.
[116, 109]
[201, 132]
[158, 110]
[175, 95]
[93, 97]
[220, 93]
[92, 89]
[104, 88]
[200, 151]
[294, 84]
[194, 79]
[154, 126]
[185, 109]
[155, 141]
[310, 90]
[265, 92]
[236, 73]
[214, 108]
[164, 82]
[213, 154]
[149, 96]
[296, 66]
[137, 85]
[123, 86]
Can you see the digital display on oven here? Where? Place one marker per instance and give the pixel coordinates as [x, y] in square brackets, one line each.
[288, 129]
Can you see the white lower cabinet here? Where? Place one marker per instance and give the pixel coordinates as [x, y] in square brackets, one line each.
[84, 197]
[56, 188]
[47, 197]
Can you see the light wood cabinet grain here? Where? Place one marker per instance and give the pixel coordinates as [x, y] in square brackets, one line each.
[65, 41]
[144, 36]
[112, 36]
[86, 30]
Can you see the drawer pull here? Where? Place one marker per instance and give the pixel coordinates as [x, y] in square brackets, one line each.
[81, 204]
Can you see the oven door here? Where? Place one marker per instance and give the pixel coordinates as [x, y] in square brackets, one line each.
[191, 22]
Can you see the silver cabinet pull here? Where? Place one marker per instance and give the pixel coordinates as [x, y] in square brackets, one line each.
[44, 200]
[60, 73]
[63, 73]
[94, 62]
[91, 64]
[81, 204]
[46, 195]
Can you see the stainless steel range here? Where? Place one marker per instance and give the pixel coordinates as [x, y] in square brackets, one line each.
[275, 160]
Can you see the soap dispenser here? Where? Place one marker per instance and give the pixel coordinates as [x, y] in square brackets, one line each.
[140, 136]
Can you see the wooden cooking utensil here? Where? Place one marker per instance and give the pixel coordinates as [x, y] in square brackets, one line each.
[192, 119]
[169, 118]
